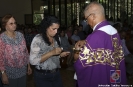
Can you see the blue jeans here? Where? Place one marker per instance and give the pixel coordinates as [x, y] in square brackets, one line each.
[1, 85]
[47, 79]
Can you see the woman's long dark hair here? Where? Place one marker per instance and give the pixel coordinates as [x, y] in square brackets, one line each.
[45, 23]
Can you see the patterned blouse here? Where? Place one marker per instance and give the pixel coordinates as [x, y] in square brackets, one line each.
[13, 55]
[38, 48]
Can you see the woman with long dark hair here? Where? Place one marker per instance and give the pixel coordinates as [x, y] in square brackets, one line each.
[45, 53]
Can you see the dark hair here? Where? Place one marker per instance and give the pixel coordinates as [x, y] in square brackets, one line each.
[1, 29]
[61, 32]
[5, 19]
[74, 31]
[46, 23]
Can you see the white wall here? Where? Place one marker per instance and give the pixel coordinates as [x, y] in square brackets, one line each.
[18, 8]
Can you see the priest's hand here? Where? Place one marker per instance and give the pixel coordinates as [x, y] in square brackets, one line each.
[76, 55]
[80, 44]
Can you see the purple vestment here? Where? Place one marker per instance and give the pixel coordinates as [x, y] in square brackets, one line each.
[101, 55]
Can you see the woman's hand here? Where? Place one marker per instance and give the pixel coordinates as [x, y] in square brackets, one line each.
[5, 79]
[56, 51]
[29, 72]
[64, 54]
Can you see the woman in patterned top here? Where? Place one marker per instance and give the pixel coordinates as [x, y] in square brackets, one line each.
[0, 76]
[13, 55]
[45, 53]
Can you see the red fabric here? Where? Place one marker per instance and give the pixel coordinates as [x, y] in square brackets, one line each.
[13, 55]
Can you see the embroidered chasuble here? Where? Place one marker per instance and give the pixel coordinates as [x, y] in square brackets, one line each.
[101, 60]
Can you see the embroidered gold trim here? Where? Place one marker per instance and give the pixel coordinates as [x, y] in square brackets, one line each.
[90, 57]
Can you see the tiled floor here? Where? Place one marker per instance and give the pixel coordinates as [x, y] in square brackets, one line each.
[67, 77]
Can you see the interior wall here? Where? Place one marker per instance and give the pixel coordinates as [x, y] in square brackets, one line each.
[37, 4]
[18, 8]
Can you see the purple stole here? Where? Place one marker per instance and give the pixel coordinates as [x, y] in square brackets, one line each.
[101, 60]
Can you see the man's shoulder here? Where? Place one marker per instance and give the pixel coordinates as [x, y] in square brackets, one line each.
[108, 29]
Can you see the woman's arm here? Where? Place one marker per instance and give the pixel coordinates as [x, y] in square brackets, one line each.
[2, 65]
[53, 52]
[2, 47]
[35, 57]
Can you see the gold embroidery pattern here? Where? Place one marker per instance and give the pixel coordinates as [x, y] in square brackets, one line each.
[89, 57]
